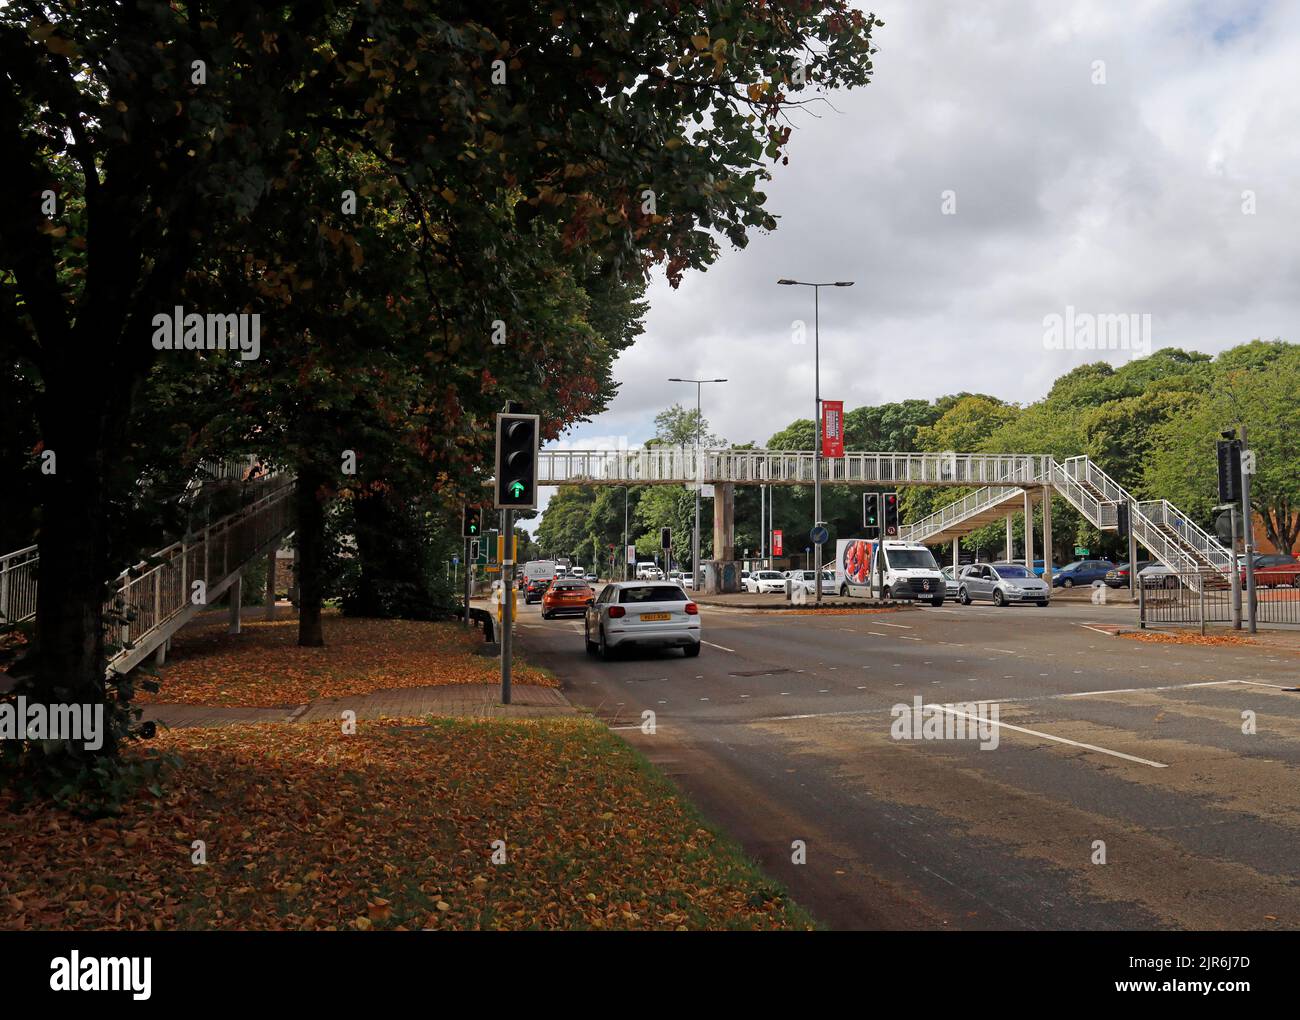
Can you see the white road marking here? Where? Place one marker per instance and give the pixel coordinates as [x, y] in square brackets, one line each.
[904, 626]
[1048, 736]
[1005, 651]
[1168, 687]
[877, 633]
[722, 648]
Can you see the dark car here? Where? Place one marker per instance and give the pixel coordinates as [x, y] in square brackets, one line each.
[1081, 572]
[1118, 578]
[535, 589]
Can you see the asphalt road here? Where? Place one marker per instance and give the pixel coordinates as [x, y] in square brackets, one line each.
[781, 732]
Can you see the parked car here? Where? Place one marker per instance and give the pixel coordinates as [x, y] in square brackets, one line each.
[566, 595]
[1118, 578]
[1081, 572]
[1002, 584]
[951, 584]
[641, 614]
[805, 580]
[1275, 570]
[764, 581]
[535, 588]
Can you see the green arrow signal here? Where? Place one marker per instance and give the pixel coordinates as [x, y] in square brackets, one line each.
[516, 489]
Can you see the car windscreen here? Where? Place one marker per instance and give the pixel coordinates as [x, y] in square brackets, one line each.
[910, 559]
[652, 593]
[768, 575]
[1008, 570]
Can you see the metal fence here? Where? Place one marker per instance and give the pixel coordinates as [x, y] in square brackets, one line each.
[1200, 597]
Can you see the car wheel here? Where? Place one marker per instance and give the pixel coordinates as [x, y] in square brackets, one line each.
[886, 594]
[963, 596]
[998, 598]
[692, 650]
[844, 589]
[545, 615]
[1067, 583]
[606, 652]
[586, 638]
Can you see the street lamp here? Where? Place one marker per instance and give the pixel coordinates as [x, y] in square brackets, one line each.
[817, 419]
[699, 476]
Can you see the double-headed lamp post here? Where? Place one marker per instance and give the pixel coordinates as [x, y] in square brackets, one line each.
[695, 548]
[817, 418]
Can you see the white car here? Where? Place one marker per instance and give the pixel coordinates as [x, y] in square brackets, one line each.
[577, 572]
[761, 581]
[641, 614]
[803, 579]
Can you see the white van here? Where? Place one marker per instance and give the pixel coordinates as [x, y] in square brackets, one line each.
[910, 570]
[648, 571]
[539, 570]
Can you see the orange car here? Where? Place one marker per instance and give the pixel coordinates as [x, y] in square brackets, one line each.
[567, 595]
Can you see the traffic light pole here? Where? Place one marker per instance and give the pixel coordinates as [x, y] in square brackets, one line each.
[1248, 533]
[1132, 550]
[469, 572]
[507, 599]
[1236, 574]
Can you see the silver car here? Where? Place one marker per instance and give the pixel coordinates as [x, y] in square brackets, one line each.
[641, 614]
[1002, 584]
[952, 586]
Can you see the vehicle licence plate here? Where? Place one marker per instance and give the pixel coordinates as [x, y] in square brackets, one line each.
[656, 616]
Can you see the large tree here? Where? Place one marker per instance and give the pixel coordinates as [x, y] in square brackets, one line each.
[144, 141]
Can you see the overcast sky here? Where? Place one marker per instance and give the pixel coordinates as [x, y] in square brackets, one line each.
[1126, 197]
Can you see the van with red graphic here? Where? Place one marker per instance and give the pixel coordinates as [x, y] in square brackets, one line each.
[910, 571]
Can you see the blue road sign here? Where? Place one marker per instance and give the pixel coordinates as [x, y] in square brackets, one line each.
[819, 535]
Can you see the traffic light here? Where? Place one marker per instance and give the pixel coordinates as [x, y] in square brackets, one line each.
[516, 461]
[871, 514]
[471, 522]
[1229, 451]
[891, 515]
[665, 538]
[1121, 520]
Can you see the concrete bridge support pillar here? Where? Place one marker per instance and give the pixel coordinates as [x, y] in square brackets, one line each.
[236, 591]
[1011, 537]
[956, 553]
[722, 573]
[1047, 534]
[1029, 531]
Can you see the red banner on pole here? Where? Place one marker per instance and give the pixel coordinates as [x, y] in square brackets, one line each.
[776, 544]
[832, 428]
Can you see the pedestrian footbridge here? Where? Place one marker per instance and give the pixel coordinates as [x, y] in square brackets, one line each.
[1001, 483]
[149, 602]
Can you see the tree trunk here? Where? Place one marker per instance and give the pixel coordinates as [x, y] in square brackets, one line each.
[72, 540]
[309, 496]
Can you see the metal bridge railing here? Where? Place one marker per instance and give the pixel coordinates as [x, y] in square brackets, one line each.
[149, 595]
[684, 464]
[18, 585]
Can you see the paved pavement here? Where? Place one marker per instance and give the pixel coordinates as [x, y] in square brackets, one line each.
[781, 732]
[478, 701]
